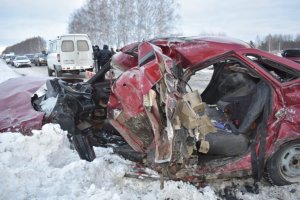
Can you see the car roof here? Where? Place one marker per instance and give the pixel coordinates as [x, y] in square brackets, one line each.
[193, 50]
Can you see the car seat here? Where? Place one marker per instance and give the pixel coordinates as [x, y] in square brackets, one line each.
[236, 142]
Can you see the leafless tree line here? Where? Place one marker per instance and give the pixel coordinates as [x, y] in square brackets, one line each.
[118, 22]
[277, 42]
[31, 45]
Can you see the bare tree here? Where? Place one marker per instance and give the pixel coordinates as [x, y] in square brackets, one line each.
[278, 42]
[31, 45]
[117, 22]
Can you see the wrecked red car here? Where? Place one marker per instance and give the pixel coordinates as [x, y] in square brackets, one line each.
[159, 113]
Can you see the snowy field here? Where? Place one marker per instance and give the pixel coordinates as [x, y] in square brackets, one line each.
[43, 166]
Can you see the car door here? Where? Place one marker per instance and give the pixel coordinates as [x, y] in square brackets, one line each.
[68, 53]
[284, 77]
[83, 52]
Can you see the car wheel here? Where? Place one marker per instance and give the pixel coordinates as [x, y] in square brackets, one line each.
[39, 64]
[83, 147]
[283, 167]
[49, 71]
[58, 73]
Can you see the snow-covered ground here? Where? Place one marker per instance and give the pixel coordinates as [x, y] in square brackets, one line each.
[43, 166]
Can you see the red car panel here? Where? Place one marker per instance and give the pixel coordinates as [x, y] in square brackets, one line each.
[17, 113]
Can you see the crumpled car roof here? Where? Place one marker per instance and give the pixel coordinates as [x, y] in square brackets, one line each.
[186, 50]
[17, 113]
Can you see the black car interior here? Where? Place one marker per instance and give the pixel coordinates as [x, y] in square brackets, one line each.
[235, 100]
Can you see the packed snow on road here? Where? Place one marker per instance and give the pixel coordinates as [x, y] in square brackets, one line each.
[43, 166]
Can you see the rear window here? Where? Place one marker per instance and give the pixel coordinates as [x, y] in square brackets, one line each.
[82, 45]
[67, 46]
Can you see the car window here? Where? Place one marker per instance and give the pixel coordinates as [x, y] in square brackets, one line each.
[82, 45]
[279, 71]
[53, 47]
[67, 46]
[29, 55]
[21, 58]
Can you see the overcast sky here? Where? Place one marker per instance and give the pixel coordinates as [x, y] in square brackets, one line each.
[22, 19]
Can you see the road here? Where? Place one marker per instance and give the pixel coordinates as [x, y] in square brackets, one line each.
[199, 82]
[40, 71]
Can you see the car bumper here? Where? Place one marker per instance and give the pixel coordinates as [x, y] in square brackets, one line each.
[22, 65]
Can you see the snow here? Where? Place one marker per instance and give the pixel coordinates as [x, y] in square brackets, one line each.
[43, 166]
[6, 72]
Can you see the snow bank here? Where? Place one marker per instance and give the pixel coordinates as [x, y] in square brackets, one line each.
[43, 166]
[6, 72]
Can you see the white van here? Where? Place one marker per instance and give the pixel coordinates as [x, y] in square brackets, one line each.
[71, 53]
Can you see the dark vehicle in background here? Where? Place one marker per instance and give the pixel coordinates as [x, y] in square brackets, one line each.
[10, 59]
[21, 61]
[40, 59]
[30, 56]
[7, 58]
[292, 54]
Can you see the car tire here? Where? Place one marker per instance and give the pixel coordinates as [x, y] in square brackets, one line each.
[83, 147]
[50, 72]
[58, 73]
[283, 167]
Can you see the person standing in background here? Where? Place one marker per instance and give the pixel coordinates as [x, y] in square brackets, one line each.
[96, 50]
[103, 56]
[112, 51]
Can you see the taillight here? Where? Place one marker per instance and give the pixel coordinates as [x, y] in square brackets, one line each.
[58, 57]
